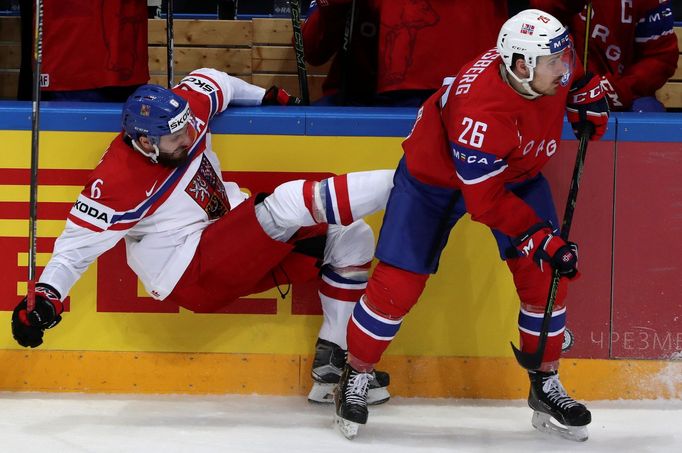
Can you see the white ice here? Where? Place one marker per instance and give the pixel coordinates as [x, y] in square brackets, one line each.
[47, 423]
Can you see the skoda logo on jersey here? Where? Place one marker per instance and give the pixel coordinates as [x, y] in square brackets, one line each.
[560, 42]
[200, 84]
[91, 211]
[178, 122]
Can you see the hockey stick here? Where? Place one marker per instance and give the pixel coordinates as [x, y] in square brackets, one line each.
[35, 133]
[169, 42]
[295, 7]
[345, 52]
[533, 360]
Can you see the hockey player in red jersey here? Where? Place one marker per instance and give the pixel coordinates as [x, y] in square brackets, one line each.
[199, 242]
[478, 146]
[633, 47]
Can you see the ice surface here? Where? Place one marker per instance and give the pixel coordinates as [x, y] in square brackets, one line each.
[46, 423]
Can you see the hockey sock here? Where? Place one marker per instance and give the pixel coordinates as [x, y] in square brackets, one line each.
[370, 333]
[532, 286]
[339, 290]
[529, 329]
[346, 198]
[376, 319]
[337, 200]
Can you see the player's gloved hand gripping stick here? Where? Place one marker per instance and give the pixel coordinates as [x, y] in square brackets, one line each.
[587, 125]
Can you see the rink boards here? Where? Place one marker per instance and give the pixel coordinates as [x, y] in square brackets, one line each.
[455, 342]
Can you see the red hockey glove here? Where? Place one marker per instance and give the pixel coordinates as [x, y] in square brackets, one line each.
[619, 99]
[279, 96]
[541, 243]
[28, 327]
[587, 108]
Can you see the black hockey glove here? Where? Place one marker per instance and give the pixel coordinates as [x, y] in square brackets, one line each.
[279, 96]
[28, 327]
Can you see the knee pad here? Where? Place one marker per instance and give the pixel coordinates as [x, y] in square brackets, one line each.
[349, 246]
[288, 205]
[392, 292]
[532, 285]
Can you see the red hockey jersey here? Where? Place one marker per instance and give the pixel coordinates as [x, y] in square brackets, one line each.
[632, 44]
[478, 134]
[423, 41]
[93, 44]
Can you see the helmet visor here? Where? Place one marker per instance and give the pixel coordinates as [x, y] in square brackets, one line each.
[558, 65]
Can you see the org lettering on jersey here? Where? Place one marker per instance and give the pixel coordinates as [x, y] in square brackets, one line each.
[92, 213]
[474, 166]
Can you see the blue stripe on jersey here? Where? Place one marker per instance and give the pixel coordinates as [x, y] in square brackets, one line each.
[329, 206]
[655, 23]
[381, 330]
[533, 324]
[177, 174]
[474, 166]
[215, 108]
[333, 276]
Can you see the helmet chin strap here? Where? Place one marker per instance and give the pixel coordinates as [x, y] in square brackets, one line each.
[153, 156]
[525, 83]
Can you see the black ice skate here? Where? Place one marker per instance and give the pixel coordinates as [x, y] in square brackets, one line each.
[549, 399]
[350, 398]
[327, 367]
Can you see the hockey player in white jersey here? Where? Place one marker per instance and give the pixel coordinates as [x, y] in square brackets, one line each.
[201, 243]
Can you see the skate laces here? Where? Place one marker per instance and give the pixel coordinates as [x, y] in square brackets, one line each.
[556, 392]
[358, 385]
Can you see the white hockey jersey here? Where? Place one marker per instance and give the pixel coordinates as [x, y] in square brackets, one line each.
[159, 211]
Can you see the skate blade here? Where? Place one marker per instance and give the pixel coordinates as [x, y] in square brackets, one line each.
[322, 393]
[543, 423]
[346, 427]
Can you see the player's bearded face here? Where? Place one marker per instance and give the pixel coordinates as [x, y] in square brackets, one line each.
[174, 148]
[552, 72]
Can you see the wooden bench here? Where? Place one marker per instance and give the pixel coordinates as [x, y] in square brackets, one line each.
[258, 51]
[10, 56]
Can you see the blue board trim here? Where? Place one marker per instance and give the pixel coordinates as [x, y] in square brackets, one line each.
[313, 121]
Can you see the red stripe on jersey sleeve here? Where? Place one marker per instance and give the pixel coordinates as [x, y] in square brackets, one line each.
[343, 199]
[83, 223]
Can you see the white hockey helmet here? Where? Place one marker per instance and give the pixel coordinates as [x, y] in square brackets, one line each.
[533, 33]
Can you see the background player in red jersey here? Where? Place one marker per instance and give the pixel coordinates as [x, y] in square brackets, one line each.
[201, 243]
[397, 47]
[92, 50]
[633, 47]
[478, 146]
